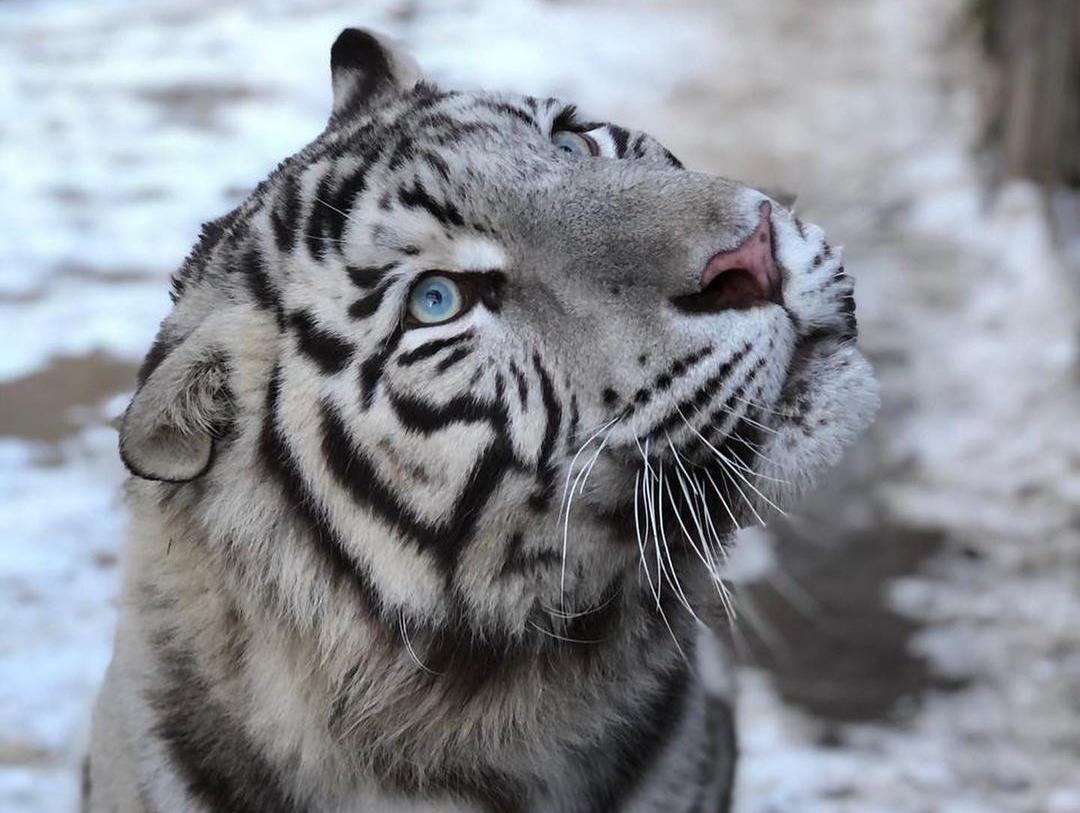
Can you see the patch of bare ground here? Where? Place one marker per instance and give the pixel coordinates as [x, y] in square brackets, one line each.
[45, 405]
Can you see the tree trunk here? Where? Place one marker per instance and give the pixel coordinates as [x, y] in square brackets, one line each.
[1036, 44]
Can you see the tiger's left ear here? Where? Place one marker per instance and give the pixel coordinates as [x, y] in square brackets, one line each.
[182, 404]
[365, 66]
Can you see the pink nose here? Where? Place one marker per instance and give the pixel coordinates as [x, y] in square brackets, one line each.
[748, 272]
[742, 277]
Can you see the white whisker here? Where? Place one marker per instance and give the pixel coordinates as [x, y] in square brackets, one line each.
[651, 520]
[333, 208]
[640, 539]
[773, 640]
[723, 459]
[588, 468]
[716, 488]
[568, 498]
[409, 647]
[673, 576]
[734, 469]
[565, 616]
[710, 562]
[558, 637]
[756, 449]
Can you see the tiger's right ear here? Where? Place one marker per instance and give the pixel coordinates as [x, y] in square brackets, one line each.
[364, 66]
[181, 404]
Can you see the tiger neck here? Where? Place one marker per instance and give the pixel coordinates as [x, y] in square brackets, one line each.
[350, 701]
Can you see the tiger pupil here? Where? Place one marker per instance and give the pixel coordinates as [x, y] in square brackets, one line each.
[434, 298]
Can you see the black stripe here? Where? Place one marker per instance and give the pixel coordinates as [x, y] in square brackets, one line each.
[453, 359]
[371, 369]
[215, 759]
[359, 478]
[509, 110]
[344, 201]
[368, 276]
[426, 418]
[357, 475]
[671, 159]
[635, 745]
[716, 763]
[490, 789]
[418, 198]
[275, 454]
[638, 149]
[436, 162]
[480, 484]
[572, 429]
[620, 136]
[321, 219]
[662, 381]
[723, 751]
[285, 215]
[545, 470]
[703, 394]
[403, 151]
[219, 765]
[366, 306]
[429, 349]
[266, 295]
[447, 131]
[720, 416]
[700, 396]
[522, 383]
[331, 352]
[157, 353]
[518, 562]
[426, 96]
[351, 188]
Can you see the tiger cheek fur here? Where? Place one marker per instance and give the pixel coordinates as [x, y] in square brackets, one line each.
[445, 435]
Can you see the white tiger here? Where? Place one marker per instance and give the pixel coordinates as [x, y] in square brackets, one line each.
[436, 453]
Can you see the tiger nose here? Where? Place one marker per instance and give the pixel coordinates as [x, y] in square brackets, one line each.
[741, 277]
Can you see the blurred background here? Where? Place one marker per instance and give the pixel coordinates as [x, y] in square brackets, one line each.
[909, 637]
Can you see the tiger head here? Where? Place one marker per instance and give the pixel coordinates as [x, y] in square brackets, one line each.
[473, 359]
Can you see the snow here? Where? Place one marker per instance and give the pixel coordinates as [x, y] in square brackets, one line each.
[128, 123]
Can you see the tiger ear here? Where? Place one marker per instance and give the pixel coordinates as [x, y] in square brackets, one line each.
[181, 404]
[364, 66]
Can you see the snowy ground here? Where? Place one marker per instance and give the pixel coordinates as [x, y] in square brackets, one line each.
[932, 659]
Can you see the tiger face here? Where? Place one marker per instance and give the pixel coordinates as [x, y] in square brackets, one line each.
[473, 360]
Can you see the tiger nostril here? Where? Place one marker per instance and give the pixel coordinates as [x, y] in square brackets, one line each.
[744, 276]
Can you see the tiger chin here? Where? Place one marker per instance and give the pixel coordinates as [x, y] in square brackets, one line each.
[436, 458]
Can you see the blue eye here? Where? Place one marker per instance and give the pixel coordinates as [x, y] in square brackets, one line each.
[574, 143]
[435, 299]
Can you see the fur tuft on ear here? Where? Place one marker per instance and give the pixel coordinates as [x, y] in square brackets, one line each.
[364, 66]
[182, 403]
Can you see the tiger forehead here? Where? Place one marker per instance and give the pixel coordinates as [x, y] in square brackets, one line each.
[477, 254]
[449, 115]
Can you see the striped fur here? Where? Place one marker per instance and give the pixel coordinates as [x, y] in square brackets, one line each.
[376, 566]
